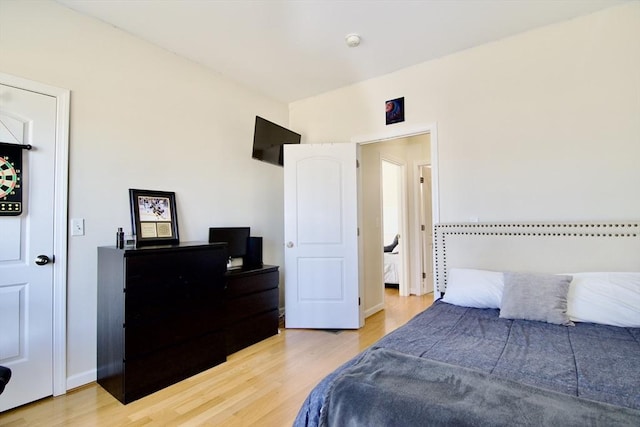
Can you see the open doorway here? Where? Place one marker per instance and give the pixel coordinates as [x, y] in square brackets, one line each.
[413, 156]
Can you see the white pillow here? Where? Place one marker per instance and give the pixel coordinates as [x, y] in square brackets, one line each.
[474, 288]
[605, 298]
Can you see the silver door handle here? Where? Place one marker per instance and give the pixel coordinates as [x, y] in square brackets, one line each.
[289, 244]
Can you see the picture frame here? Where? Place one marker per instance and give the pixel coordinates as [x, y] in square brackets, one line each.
[394, 110]
[154, 219]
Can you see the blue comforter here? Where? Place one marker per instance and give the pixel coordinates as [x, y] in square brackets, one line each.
[593, 362]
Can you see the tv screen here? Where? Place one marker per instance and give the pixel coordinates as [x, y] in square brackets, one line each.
[234, 237]
[268, 140]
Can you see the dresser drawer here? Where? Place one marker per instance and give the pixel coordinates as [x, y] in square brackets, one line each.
[147, 374]
[251, 331]
[172, 297]
[149, 334]
[240, 284]
[164, 271]
[249, 305]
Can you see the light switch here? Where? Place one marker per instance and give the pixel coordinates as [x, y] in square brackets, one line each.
[77, 226]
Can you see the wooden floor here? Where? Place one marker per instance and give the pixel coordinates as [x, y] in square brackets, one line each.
[264, 384]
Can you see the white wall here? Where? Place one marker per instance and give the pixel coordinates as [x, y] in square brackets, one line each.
[390, 201]
[141, 117]
[540, 126]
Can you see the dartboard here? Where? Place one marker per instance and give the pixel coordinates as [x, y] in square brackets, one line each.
[8, 177]
[10, 194]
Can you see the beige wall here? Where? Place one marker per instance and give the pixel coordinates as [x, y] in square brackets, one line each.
[141, 117]
[407, 152]
[540, 126]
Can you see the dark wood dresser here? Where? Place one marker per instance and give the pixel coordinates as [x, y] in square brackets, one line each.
[160, 315]
[251, 306]
[168, 312]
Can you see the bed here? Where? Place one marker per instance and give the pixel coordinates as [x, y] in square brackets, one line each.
[392, 263]
[392, 268]
[539, 325]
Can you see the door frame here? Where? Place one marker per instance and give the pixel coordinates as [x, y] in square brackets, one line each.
[61, 191]
[405, 132]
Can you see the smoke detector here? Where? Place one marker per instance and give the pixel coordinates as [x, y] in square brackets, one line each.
[352, 40]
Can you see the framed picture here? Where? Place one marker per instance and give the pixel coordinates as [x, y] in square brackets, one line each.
[394, 110]
[154, 218]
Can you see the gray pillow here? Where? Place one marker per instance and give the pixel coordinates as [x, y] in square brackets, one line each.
[541, 297]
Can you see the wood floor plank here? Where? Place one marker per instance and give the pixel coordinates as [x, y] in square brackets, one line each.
[264, 384]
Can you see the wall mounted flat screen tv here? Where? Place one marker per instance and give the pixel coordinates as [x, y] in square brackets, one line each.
[268, 140]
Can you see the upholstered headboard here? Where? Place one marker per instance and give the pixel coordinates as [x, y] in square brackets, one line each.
[557, 247]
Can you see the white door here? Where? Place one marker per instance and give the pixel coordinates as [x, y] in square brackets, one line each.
[26, 289]
[321, 236]
[426, 234]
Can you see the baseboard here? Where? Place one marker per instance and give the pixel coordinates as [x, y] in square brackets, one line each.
[81, 379]
[374, 310]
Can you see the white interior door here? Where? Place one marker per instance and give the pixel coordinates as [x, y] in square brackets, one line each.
[26, 289]
[321, 237]
[426, 234]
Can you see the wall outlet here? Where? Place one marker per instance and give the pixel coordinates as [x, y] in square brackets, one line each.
[77, 227]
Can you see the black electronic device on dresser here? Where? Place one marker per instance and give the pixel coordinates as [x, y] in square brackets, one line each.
[161, 315]
[240, 245]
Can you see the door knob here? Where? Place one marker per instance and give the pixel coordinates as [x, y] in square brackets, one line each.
[289, 244]
[43, 260]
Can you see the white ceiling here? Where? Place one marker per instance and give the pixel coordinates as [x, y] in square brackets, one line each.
[291, 50]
